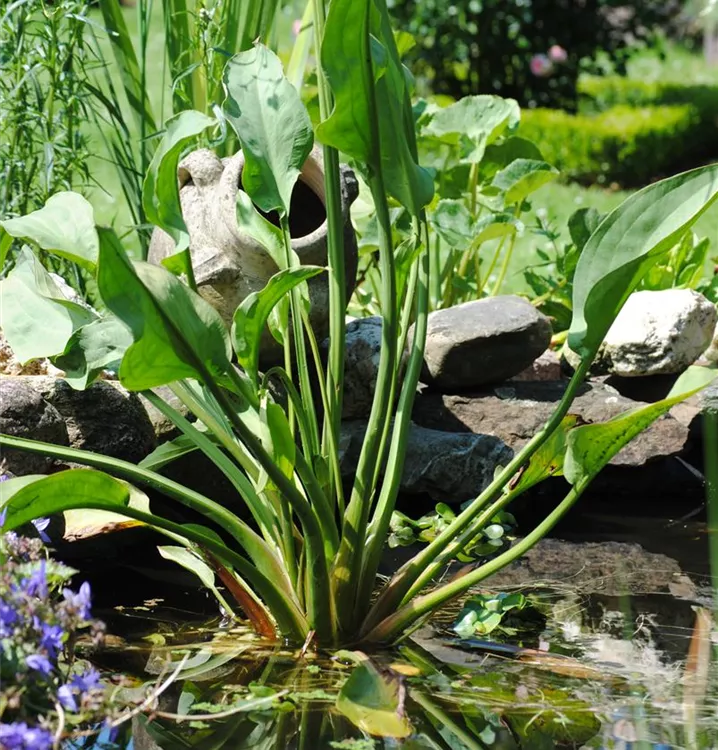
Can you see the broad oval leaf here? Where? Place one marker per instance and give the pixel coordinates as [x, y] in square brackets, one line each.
[37, 319]
[66, 490]
[591, 447]
[355, 63]
[272, 124]
[523, 177]
[481, 119]
[176, 333]
[500, 155]
[453, 223]
[96, 347]
[373, 701]
[627, 243]
[65, 226]
[189, 561]
[160, 190]
[252, 314]
[494, 226]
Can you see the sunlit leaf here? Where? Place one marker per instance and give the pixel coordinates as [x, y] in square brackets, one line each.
[272, 124]
[176, 333]
[627, 243]
[37, 319]
[523, 177]
[189, 561]
[65, 226]
[453, 223]
[373, 700]
[591, 447]
[160, 190]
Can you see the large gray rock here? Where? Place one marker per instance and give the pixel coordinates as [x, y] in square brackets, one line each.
[448, 467]
[228, 262]
[656, 333]
[481, 342]
[361, 365]
[105, 419]
[516, 411]
[25, 413]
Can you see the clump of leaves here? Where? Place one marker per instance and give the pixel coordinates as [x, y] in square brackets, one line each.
[484, 613]
[489, 541]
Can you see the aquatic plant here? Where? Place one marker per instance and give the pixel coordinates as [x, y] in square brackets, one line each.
[305, 567]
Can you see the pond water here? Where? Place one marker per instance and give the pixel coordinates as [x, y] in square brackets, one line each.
[585, 668]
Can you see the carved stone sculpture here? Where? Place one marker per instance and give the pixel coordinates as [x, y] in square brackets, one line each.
[228, 263]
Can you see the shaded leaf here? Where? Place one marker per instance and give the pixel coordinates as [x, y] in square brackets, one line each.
[65, 226]
[189, 561]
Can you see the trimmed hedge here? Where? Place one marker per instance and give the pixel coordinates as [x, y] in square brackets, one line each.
[623, 144]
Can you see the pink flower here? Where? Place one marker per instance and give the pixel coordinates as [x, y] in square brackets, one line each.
[297, 27]
[557, 54]
[541, 66]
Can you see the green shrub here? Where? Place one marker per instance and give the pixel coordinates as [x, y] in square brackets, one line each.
[623, 144]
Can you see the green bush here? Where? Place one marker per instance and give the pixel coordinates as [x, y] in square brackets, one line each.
[623, 144]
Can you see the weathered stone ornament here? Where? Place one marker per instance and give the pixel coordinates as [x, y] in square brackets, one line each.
[228, 263]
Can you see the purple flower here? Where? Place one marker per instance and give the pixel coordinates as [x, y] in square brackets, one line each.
[19, 736]
[3, 514]
[39, 663]
[36, 585]
[80, 601]
[67, 698]
[41, 525]
[51, 639]
[87, 681]
[8, 617]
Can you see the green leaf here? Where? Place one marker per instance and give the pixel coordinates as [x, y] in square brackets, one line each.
[582, 224]
[277, 438]
[500, 155]
[591, 447]
[189, 561]
[481, 119]
[453, 223]
[160, 190]
[37, 319]
[168, 452]
[272, 124]
[494, 226]
[252, 314]
[65, 226]
[373, 701]
[98, 346]
[176, 333]
[627, 243]
[59, 492]
[548, 459]
[354, 64]
[523, 177]
[260, 229]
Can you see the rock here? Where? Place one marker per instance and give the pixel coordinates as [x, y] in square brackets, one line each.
[230, 263]
[656, 333]
[516, 411]
[163, 428]
[105, 418]
[546, 367]
[25, 413]
[449, 467]
[361, 364]
[484, 341]
[610, 568]
[711, 353]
